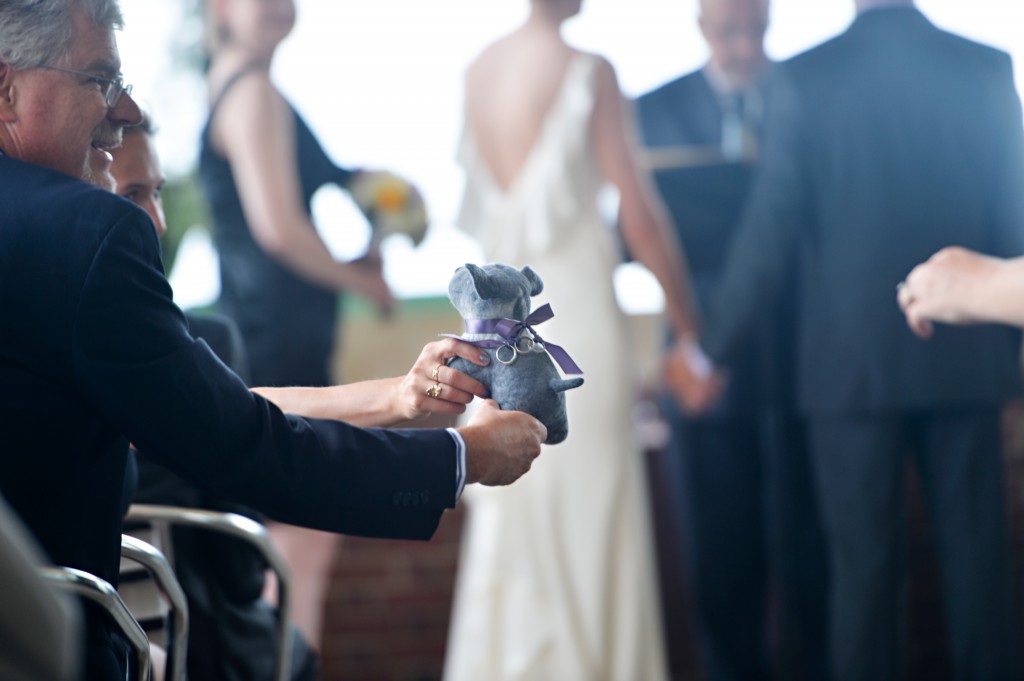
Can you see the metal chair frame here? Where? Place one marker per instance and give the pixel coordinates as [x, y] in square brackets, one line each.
[156, 564]
[162, 518]
[101, 592]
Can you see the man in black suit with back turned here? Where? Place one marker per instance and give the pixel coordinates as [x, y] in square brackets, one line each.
[883, 145]
[94, 353]
[749, 518]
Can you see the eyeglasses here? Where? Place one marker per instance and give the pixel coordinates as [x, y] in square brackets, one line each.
[112, 88]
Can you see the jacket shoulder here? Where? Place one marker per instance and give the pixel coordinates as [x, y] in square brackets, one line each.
[671, 90]
[974, 56]
[59, 222]
[40, 191]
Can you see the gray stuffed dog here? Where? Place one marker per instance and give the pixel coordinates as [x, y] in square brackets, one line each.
[494, 301]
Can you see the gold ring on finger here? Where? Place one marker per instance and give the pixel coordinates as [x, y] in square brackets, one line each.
[433, 374]
[434, 390]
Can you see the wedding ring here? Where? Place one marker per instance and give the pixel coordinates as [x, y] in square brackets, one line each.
[903, 293]
[510, 354]
[434, 390]
[433, 374]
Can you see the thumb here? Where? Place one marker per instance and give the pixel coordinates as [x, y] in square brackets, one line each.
[490, 404]
[919, 323]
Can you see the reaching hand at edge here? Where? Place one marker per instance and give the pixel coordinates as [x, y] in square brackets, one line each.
[960, 286]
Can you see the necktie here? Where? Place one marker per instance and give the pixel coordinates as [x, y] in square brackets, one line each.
[734, 132]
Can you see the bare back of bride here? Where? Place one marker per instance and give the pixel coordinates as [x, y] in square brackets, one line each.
[557, 577]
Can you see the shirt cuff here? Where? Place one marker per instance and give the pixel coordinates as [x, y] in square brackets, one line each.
[460, 462]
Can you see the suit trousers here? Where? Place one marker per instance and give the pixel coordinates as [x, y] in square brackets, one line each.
[861, 464]
[752, 539]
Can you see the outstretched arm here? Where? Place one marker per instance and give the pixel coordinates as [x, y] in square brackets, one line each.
[500, 446]
[386, 402]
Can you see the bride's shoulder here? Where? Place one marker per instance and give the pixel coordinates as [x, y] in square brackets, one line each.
[596, 60]
[603, 70]
[490, 59]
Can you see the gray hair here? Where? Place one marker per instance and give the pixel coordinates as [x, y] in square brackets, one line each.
[38, 32]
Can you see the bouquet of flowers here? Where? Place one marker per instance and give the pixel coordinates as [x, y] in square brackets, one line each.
[392, 204]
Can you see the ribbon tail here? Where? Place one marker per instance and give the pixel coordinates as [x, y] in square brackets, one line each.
[562, 357]
[541, 314]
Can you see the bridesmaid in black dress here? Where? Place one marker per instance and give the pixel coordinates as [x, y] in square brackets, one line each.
[259, 167]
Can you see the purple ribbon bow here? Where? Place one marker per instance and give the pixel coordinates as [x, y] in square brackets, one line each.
[511, 330]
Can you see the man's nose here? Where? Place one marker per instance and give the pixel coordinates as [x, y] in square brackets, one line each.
[126, 112]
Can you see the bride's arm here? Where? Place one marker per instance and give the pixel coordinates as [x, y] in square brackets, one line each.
[651, 238]
[644, 221]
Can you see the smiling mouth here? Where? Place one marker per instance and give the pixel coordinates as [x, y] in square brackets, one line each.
[101, 156]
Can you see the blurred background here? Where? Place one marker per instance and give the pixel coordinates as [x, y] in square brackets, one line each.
[381, 83]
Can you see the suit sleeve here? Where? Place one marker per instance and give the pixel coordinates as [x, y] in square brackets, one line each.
[764, 249]
[135, 360]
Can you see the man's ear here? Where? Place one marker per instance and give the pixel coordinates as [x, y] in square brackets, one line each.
[7, 93]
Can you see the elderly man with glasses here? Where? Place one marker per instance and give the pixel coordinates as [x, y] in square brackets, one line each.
[94, 353]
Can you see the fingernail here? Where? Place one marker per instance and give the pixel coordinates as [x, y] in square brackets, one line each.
[485, 358]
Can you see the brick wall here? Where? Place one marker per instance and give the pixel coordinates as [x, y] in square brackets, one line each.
[388, 607]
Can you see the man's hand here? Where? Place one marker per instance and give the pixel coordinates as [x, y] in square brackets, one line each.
[500, 445]
[691, 377]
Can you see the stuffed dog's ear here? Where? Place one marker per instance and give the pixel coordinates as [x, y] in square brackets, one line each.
[485, 288]
[536, 283]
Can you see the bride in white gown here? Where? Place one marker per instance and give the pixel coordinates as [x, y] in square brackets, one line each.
[557, 578]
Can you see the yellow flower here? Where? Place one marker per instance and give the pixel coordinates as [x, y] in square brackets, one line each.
[391, 196]
[391, 203]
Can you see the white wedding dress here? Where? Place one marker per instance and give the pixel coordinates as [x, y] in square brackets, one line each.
[557, 578]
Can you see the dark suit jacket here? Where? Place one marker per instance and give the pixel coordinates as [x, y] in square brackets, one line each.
[706, 203]
[93, 353]
[882, 146]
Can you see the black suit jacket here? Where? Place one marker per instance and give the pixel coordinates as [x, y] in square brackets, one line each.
[93, 353]
[882, 146]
